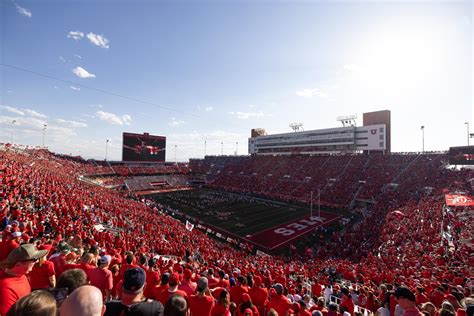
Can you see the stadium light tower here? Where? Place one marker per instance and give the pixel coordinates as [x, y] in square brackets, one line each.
[175, 149]
[44, 132]
[467, 123]
[222, 148]
[205, 148]
[297, 127]
[422, 138]
[11, 140]
[106, 148]
[236, 148]
[348, 120]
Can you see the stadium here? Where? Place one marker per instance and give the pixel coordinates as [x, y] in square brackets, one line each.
[348, 219]
[236, 158]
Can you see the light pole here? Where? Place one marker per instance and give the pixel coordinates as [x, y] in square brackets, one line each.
[205, 148]
[175, 149]
[11, 140]
[106, 148]
[422, 138]
[236, 148]
[467, 123]
[222, 148]
[44, 131]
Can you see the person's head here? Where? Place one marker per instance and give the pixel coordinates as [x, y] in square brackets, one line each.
[345, 292]
[129, 258]
[246, 302]
[37, 303]
[176, 305]
[20, 261]
[174, 280]
[202, 285]
[446, 305]
[134, 280]
[223, 298]
[88, 258]
[165, 278]
[405, 297]
[278, 288]
[84, 301]
[71, 279]
[151, 262]
[429, 308]
[104, 261]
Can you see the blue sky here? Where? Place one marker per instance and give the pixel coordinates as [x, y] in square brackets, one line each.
[211, 71]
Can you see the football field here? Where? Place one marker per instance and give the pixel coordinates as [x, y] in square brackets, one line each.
[267, 224]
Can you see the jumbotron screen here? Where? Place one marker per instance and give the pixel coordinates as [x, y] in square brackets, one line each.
[463, 155]
[143, 147]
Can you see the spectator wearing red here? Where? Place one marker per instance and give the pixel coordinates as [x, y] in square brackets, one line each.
[407, 301]
[13, 281]
[87, 263]
[186, 284]
[202, 303]
[259, 294]
[223, 282]
[279, 302]
[221, 308]
[237, 291]
[347, 304]
[101, 277]
[152, 278]
[316, 289]
[42, 276]
[11, 240]
[164, 285]
[59, 258]
[165, 294]
[247, 306]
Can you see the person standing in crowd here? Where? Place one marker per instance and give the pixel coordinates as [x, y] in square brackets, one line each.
[237, 291]
[84, 301]
[101, 277]
[279, 302]
[133, 301]
[152, 278]
[259, 295]
[407, 301]
[347, 304]
[221, 308]
[42, 276]
[13, 281]
[201, 304]
[187, 285]
[172, 290]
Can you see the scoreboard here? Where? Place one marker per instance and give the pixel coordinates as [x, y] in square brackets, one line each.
[143, 147]
[463, 155]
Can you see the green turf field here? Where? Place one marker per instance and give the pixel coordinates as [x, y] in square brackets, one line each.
[236, 214]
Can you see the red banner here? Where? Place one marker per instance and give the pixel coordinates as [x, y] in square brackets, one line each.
[459, 200]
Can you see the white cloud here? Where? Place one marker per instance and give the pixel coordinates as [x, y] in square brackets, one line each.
[75, 88]
[69, 123]
[78, 56]
[82, 73]
[309, 93]
[114, 119]
[208, 109]
[176, 123]
[35, 114]
[62, 59]
[12, 109]
[98, 40]
[75, 35]
[23, 11]
[352, 67]
[246, 115]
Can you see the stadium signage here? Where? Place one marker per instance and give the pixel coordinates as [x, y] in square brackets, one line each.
[459, 200]
[300, 225]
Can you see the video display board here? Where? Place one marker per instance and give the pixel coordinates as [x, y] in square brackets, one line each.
[463, 155]
[143, 147]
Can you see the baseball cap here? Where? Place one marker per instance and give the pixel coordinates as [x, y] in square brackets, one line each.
[278, 288]
[134, 279]
[23, 253]
[105, 259]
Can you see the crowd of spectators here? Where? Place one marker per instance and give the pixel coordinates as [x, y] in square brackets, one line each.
[391, 263]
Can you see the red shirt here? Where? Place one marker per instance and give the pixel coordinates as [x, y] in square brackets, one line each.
[259, 296]
[152, 280]
[316, 290]
[101, 279]
[280, 304]
[200, 305]
[7, 246]
[12, 288]
[220, 310]
[166, 294]
[236, 293]
[188, 287]
[39, 275]
[348, 305]
[157, 290]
